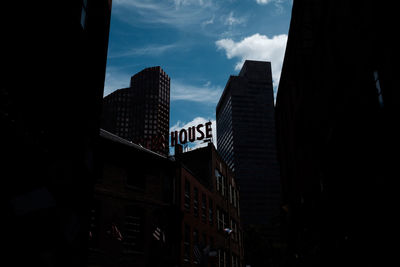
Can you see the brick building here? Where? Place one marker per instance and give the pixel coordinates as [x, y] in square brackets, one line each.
[209, 200]
[133, 217]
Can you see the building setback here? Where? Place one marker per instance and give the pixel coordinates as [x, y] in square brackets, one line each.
[336, 114]
[140, 113]
[209, 201]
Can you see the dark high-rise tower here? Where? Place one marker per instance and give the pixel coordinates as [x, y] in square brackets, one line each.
[246, 140]
[140, 113]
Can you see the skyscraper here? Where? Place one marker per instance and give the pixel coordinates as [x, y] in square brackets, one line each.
[246, 141]
[140, 113]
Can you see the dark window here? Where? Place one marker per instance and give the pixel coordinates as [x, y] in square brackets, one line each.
[186, 244]
[133, 234]
[221, 257]
[94, 229]
[230, 194]
[187, 195]
[210, 211]
[204, 241]
[211, 242]
[196, 202]
[218, 178]
[220, 221]
[203, 207]
[196, 247]
[234, 197]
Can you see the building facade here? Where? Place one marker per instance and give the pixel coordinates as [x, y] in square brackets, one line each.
[133, 220]
[335, 113]
[50, 117]
[211, 233]
[140, 113]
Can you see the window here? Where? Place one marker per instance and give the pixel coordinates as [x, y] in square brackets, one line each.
[94, 228]
[203, 207]
[234, 197]
[230, 194]
[187, 195]
[204, 241]
[220, 219]
[234, 230]
[220, 182]
[133, 235]
[196, 202]
[210, 211]
[196, 249]
[186, 244]
[221, 258]
[224, 220]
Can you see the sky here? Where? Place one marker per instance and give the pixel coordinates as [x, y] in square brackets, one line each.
[198, 43]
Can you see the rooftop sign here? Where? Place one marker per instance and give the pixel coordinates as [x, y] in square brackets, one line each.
[191, 134]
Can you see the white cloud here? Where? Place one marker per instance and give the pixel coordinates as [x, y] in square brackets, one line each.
[264, 2]
[201, 3]
[196, 121]
[257, 47]
[150, 50]
[208, 22]
[279, 4]
[175, 13]
[206, 93]
[231, 20]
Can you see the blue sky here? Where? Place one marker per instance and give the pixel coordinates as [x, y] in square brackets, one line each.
[198, 43]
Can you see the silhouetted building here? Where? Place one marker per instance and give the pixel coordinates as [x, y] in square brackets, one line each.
[337, 136]
[211, 232]
[50, 106]
[133, 217]
[140, 113]
[246, 141]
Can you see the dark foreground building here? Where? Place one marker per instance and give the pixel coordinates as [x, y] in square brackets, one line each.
[246, 141]
[133, 217]
[140, 113]
[50, 102]
[336, 122]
